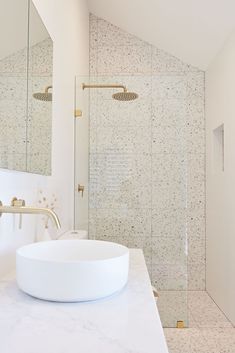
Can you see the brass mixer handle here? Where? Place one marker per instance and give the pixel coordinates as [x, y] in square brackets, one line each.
[81, 189]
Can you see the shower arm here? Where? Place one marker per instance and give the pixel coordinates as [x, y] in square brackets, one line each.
[104, 86]
[47, 89]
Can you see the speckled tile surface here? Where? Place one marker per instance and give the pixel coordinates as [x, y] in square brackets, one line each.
[209, 330]
[25, 122]
[147, 168]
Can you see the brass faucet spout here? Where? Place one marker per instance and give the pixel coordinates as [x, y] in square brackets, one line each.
[30, 210]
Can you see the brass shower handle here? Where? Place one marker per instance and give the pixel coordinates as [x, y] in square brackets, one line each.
[81, 189]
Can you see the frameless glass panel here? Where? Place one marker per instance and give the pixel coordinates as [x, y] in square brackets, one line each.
[139, 185]
[82, 133]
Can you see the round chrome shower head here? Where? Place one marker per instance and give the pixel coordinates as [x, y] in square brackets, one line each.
[44, 96]
[125, 96]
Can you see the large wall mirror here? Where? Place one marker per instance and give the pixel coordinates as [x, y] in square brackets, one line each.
[26, 56]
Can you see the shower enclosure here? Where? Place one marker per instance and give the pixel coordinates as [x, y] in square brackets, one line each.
[132, 184]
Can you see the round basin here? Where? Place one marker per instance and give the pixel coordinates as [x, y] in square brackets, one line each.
[72, 270]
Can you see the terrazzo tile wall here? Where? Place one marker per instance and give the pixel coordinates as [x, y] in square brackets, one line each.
[147, 161]
[25, 135]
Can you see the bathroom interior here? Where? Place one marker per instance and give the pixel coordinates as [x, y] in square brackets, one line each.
[117, 176]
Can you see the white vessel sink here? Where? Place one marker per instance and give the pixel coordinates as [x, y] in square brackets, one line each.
[72, 270]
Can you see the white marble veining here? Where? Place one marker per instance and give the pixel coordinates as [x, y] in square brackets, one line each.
[124, 323]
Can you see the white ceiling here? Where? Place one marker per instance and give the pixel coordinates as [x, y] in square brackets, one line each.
[192, 30]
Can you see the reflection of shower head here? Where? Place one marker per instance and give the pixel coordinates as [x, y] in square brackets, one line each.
[44, 96]
[120, 96]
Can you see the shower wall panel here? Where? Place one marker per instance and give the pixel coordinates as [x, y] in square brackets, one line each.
[147, 161]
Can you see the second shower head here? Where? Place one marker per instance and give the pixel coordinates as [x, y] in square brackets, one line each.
[120, 96]
[45, 96]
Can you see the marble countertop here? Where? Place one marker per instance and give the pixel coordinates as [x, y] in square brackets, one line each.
[127, 322]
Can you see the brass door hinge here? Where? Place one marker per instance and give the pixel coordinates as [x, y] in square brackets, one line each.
[180, 324]
[77, 113]
[81, 189]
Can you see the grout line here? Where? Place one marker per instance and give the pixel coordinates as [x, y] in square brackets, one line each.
[219, 308]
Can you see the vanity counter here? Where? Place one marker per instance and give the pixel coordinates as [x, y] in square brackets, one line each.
[127, 322]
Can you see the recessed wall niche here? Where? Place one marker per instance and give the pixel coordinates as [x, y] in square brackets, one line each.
[218, 149]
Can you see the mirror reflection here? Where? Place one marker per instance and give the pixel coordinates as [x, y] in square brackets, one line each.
[26, 56]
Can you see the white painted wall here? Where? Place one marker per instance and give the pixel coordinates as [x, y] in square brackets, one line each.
[67, 23]
[220, 108]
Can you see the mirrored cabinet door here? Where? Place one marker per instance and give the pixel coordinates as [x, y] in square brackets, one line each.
[13, 84]
[26, 57]
[39, 96]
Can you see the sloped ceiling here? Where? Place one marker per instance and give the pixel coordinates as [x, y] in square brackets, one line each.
[192, 30]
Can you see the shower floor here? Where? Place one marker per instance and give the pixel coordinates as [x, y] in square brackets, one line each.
[209, 330]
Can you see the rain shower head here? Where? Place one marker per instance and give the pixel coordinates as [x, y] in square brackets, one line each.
[125, 96]
[44, 96]
[120, 96]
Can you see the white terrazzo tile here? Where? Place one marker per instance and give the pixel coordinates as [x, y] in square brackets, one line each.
[14, 161]
[169, 169]
[39, 140]
[196, 195]
[11, 142]
[177, 114]
[41, 58]
[170, 196]
[189, 340]
[118, 140]
[92, 223]
[196, 250]
[220, 340]
[196, 141]
[11, 114]
[169, 86]
[205, 312]
[172, 306]
[123, 222]
[93, 30]
[163, 62]
[170, 222]
[169, 251]
[169, 139]
[196, 222]
[196, 168]
[113, 113]
[15, 64]
[196, 276]
[110, 35]
[41, 118]
[137, 59]
[39, 163]
[92, 61]
[169, 277]
[169, 112]
[14, 89]
[191, 321]
[195, 84]
[195, 112]
[120, 181]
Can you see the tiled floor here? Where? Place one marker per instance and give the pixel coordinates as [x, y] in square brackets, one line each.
[209, 330]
